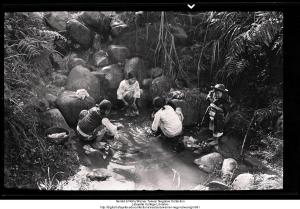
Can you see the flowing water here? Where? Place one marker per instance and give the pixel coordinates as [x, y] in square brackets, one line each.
[152, 161]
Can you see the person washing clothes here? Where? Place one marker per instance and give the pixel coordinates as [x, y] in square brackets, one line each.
[214, 117]
[128, 92]
[166, 120]
[91, 120]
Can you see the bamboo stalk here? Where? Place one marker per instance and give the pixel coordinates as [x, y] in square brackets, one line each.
[241, 153]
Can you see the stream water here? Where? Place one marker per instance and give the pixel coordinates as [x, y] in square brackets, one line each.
[154, 164]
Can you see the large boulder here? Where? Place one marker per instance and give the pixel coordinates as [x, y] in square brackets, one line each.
[136, 66]
[228, 168]
[54, 118]
[118, 53]
[70, 106]
[113, 74]
[97, 21]
[160, 86]
[243, 181]
[100, 59]
[51, 100]
[79, 33]
[209, 162]
[193, 105]
[117, 27]
[81, 78]
[57, 20]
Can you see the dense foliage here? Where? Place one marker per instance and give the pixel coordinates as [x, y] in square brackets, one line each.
[27, 69]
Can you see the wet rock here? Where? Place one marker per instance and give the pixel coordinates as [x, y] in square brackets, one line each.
[228, 167]
[190, 142]
[54, 118]
[243, 181]
[156, 72]
[70, 106]
[146, 83]
[209, 162]
[96, 21]
[81, 78]
[100, 174]
[118, 53]
[51, 100]
[59, 79]
[79, 33]
[117, 27]
[113, 75]
[57, 20]
[101, 59]
[136, 66]
[160, 86]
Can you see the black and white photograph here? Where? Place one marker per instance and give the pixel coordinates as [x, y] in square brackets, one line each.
[143, 100]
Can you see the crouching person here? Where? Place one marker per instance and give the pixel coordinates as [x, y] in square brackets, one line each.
[91, 120]
[166, 120]
[128, 92]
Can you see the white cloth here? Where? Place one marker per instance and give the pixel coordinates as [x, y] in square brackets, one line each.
[125, 87]
[179, 113]
[168, 121]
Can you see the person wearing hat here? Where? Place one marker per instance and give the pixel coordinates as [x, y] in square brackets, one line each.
[128, 92]
[166, 120]
[90, 120]
[214, 117]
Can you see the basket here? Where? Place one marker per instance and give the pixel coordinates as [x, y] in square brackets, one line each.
[59, 140]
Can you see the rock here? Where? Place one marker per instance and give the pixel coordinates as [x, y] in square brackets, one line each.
[228, 167]
[193, 106]
[74, 61]
[100, 174]
[140, 41]
[100, 59]
[51, 100]
[118, 53]
[79, 33]
[70, 106]
[179, 35]
[190, 142]
[57, 20]
[113, 74]
[217, 185]
[81, 78]
[97, 21]
[160, 86]
[54, 118]
[97, 42]
[59, 79]
[243, 181]
[156, 72]
[200, 187]
[117, 27]
[136, 66]
[146, 83]
[209, 162]
[112, 184]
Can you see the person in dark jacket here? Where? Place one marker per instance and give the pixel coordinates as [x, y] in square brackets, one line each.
[214, 117]
[90, 120]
